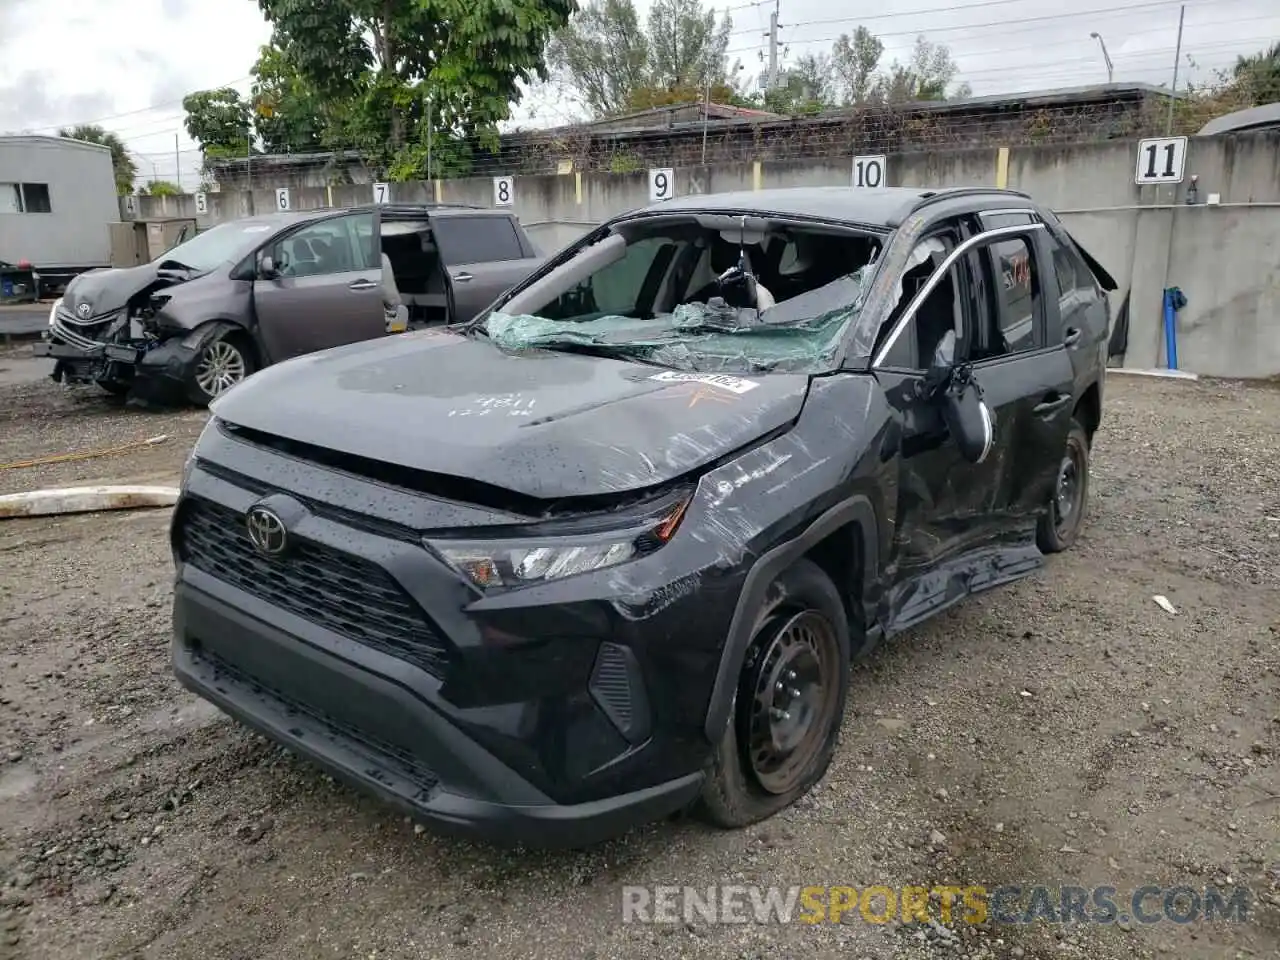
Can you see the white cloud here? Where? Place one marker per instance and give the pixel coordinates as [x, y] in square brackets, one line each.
[127, 63]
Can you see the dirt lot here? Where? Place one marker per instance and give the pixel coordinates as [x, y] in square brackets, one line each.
[1063, 730]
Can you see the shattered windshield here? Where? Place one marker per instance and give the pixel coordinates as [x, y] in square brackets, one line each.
[692, 298]
[225, 243]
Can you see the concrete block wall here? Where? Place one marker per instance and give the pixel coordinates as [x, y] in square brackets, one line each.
[1225, 257]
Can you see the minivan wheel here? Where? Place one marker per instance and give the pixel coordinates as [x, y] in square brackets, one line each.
[789, 702]
[1060, 524]
[222, 363]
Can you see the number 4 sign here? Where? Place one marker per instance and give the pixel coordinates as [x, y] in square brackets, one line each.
[1160, 160]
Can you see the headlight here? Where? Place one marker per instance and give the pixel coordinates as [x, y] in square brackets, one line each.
[520, 561]
[53, 311]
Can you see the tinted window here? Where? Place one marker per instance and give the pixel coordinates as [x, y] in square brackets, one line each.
[1018, 290]
[35, 198]
[1074, 275]
[615, 290]
[330, 246]
[477, 239]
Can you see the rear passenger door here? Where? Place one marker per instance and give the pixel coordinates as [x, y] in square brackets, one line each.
[1020, 359]
[483, 258]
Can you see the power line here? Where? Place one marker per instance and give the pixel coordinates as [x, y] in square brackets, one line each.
[132, 113]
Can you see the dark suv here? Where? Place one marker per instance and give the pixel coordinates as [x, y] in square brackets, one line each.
[605, 552]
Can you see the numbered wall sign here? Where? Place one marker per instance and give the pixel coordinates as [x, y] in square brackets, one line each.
[1160, 160]
[662, 184]
[869, 171]
[129, 204]
[504, 191]
[202, 204]
[282, 198]
[382, 193]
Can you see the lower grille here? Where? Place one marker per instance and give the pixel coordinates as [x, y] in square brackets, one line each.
[403, 761]
[337, 591]
[73, 337]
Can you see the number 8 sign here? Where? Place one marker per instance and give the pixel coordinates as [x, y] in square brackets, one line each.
[504, 191]
[662, 184]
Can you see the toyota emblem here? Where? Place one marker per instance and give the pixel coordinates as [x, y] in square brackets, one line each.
[83, 311]
[266, 531]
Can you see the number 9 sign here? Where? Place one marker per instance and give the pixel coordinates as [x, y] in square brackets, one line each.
[662, 184]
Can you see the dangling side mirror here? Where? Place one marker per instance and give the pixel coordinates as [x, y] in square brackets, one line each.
[968, 417]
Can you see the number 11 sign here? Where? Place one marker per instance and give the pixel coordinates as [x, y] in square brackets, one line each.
[1160, 160]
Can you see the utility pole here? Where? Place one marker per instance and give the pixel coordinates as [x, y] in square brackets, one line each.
[177, 164]
[1182, 13]
[773, 44]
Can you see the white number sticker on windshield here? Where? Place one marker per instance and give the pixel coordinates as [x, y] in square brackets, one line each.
[732, 384]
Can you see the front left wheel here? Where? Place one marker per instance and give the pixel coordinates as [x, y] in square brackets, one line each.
[789, 704]
[224, 361]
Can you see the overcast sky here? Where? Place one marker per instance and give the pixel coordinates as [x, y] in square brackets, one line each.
[126, 64]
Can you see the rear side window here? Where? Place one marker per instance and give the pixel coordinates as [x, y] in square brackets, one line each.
[477, 239]
[1074, 275]
[1019, 290]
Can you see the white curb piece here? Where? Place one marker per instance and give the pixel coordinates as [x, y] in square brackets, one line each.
[44, 503]
[1168, 374]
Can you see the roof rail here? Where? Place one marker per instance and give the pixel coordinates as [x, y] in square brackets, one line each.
[947, 193]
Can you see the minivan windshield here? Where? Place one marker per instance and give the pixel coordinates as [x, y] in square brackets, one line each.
[225, 243]
[691, 298]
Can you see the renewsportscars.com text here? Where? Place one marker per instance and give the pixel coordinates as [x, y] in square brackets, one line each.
[949, 904]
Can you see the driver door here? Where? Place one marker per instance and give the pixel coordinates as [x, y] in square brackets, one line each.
[947, 506]
[327, 290]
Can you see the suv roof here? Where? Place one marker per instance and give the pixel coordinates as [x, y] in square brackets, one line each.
[883, 206]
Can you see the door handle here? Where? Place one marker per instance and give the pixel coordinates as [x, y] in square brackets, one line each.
[361, 285]
[1072, 336]
[1052, 404]
[462, 277]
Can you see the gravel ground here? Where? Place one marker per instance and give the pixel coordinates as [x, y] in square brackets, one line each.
[1062, 730]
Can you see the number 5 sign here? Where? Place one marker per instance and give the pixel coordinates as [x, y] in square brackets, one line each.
[1160, 160]
[662, 184]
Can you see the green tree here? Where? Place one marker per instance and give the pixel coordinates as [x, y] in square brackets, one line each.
[219, 120]
[160, 188]
[926, 76]
[604, 53]
[125, 169]
[288, 116]
[1258, 76]
[614, 66]
[854, 61]
[377, 61]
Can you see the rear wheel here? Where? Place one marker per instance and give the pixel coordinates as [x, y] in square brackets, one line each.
[789, 703]
[1060, 525]
[224, 361]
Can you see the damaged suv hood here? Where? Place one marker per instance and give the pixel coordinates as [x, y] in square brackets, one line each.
[543, 424]
[108, 291]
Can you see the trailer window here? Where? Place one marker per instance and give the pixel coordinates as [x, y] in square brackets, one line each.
[24, 198]
[35, 198]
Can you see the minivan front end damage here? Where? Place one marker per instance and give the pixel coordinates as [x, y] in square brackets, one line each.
[115, 329]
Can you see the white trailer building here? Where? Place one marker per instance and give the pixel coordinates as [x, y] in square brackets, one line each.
[57, 200]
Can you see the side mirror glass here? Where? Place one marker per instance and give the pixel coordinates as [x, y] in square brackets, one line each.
[267, 266]
[970, 420]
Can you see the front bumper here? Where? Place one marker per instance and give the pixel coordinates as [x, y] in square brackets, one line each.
[557, 714]
[447, 779]
[157, 372]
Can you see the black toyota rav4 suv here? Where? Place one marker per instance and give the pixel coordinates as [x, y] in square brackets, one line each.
[605, 552]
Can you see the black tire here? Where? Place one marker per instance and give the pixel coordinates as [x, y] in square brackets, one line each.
[117, 388]
[1060, 524]
[228, 349]
[737, 793]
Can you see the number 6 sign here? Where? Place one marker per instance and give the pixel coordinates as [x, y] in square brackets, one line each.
[662, 184]
[282, 198]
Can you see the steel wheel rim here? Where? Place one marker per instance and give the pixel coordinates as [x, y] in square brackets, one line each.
[221, 367]
[792, 681]
[1069, 491]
